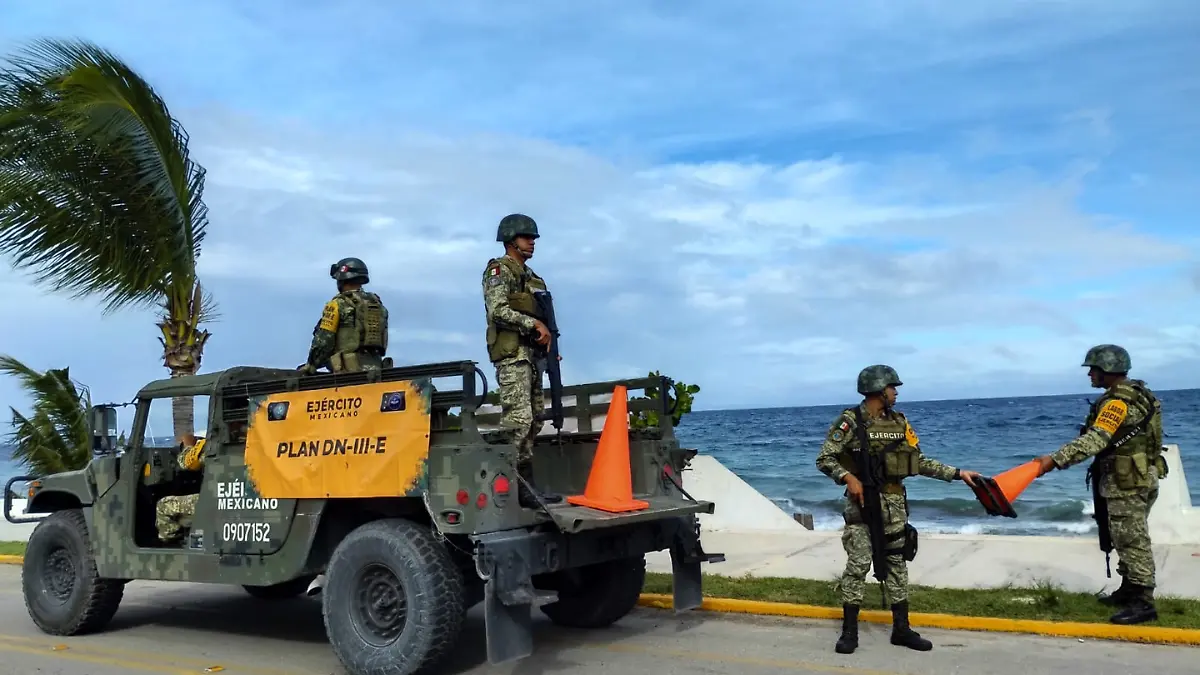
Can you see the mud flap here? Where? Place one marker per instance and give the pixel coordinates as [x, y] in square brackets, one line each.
[509, 627]
[686, 556]
[508, 595]
[687, 580]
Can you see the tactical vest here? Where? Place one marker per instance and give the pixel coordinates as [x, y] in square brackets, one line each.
[1133, 447]
[503, 342]
[366, 335]
[887, 438]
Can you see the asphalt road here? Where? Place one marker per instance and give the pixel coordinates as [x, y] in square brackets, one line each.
[186, 628]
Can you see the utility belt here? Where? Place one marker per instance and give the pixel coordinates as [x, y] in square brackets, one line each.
[892, 489]
[355, 361]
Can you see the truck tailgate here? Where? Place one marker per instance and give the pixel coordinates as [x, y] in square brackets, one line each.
[570, 518]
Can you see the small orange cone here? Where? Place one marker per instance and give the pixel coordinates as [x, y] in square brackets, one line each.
[997, 494]
[610, 483]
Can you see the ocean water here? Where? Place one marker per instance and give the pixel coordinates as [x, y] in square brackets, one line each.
[774, 451]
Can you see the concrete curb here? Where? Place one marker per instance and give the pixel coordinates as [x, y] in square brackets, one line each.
[1100, 631]
[11, 559]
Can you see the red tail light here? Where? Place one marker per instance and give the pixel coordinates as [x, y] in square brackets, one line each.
[500, 485]
[463, 497]
[481, 501]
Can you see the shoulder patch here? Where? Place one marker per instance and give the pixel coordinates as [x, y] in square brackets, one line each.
[910, 435]
[1111, 416]
[329, 316]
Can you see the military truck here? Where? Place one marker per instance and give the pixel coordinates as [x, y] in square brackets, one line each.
[367, 487]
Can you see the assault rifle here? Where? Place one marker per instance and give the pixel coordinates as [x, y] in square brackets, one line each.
[870, 474]
[548, 359]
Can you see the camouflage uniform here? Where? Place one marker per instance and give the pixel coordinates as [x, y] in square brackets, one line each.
[173, 513]
[353, 331]
[1126, 477]
[508, 286]
[891, 438]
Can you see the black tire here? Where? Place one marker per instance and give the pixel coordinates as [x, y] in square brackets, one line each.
[598, 595]
[64, 594]
[397, 559]
[282, 590]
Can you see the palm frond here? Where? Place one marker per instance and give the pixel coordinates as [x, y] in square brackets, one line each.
[57, 436]
[98, 194]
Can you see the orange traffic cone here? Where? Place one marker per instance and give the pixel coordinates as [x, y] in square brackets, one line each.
[610, 483]
[997, 494]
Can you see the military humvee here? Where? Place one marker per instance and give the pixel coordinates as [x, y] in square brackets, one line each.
[365, 487]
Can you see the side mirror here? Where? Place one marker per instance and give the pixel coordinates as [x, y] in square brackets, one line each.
[104, 431]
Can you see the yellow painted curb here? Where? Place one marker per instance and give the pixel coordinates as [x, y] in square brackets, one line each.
[11, 559]
[1102, 631]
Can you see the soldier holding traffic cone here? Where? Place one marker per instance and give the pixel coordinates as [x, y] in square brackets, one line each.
[1123, 431]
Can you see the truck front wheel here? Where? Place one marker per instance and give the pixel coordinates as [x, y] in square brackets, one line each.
[393, 599]
[64, 593]
[597, 595]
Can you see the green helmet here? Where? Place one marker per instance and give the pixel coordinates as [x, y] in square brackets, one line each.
[1108, 358]
[874, 379]
[349, 269]
[516, 224]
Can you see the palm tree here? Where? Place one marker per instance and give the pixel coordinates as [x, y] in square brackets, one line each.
[98, 196]
[57, 436]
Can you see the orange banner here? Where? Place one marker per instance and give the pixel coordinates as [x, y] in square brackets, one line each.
[369, 440]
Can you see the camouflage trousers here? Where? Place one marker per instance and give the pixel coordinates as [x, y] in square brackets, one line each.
[173, 514]
[856, 540]
[521, 401]
[1130, 531]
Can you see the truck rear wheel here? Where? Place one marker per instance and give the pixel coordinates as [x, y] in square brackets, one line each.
[393, 599]
[64, 594]
[597, 595]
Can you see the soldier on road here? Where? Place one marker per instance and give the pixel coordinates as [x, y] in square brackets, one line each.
[515, 332]
[1123, 431]
[893, 444]
[352, 334]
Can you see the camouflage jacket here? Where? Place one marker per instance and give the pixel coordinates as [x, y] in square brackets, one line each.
[842, 437]
[502, 283]
[339, 318]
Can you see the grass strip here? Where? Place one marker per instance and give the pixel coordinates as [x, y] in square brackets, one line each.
[1043, 601]
[12, 548]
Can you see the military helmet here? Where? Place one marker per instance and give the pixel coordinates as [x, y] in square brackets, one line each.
[516, 224]
[349, 269]
[874, 379]
[1108, 358]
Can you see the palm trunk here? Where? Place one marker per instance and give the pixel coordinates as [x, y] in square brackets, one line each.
[183, 348]
[183, 412]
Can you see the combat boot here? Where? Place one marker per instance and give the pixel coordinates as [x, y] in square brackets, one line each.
[902, 634]
[848, 641]
[525, 495]
[1139, 608]
[1121, 596]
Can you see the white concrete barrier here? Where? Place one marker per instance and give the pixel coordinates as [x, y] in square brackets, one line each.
[739, 507]
[1173, 520]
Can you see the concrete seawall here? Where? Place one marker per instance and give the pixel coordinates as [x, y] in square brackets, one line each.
[759, 539]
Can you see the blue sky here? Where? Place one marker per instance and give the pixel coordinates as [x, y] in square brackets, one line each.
[760, 198]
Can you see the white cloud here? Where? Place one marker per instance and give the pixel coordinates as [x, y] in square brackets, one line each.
[762, 200]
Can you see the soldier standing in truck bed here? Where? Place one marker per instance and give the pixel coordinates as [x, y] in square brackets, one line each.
[514, 332]
[352, 334]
